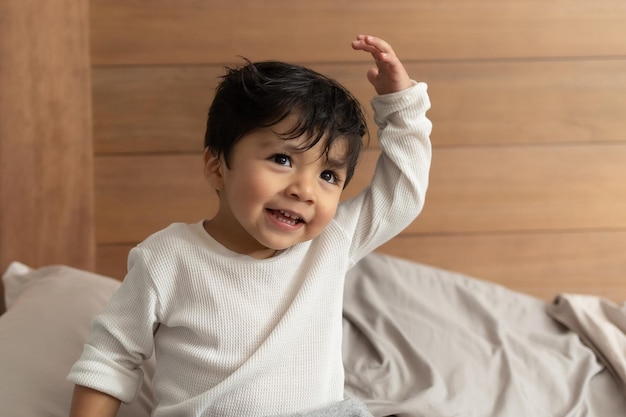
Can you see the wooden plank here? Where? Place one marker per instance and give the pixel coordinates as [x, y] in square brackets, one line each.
[199, 31]
[475, 189]
[111, 260]
[151, 109]
[539, 264]
[527, 102]
[138, 196]
[526, 188]
[163, 109]
[46, 156]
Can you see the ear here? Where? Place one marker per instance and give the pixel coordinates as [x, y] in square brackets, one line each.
[213, 169]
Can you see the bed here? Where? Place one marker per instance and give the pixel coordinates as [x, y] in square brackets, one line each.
[420, 339]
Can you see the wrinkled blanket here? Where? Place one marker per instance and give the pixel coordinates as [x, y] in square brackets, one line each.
[425, 342]
[601, 324]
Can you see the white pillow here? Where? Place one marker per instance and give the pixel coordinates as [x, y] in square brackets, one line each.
[48, 319]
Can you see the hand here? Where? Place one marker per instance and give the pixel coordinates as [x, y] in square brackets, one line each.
[389, 75]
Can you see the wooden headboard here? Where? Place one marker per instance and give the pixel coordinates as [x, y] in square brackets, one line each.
[102, 107]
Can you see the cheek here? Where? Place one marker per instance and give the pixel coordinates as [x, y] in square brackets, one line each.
[248, 191]
[326, 212]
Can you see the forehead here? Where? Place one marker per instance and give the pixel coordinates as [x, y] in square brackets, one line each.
[280, 138]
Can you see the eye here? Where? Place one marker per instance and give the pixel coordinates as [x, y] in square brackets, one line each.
[330, 177]
[281, 159]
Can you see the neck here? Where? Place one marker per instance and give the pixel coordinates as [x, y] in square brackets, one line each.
[226, 239]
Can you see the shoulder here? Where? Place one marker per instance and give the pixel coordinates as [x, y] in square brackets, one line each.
[164, 257]
[338, 234]
[173, 244]
[175, 232]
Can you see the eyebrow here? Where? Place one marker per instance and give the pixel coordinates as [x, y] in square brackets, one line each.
[277, 141]
[336, 163]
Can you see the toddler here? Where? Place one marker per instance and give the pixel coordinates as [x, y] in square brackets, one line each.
[244, 310]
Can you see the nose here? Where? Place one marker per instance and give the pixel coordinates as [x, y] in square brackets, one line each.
[302, 188]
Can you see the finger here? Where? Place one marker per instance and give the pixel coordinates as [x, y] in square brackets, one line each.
[360, 44]
[372, 75]
[380, 50]
[367, 43]
[379, 44]
[375, 52]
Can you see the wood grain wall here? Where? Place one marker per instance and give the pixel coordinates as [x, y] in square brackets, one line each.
[528, 181]
[46, 152]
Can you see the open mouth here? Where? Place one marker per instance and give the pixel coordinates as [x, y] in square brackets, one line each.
[286, 217]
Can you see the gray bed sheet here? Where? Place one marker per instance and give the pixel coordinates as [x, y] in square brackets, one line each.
[421, 341]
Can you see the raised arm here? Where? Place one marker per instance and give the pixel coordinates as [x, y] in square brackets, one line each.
[398, 188]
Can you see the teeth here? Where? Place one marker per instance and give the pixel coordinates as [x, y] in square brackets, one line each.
[286, 214]
[287, 221]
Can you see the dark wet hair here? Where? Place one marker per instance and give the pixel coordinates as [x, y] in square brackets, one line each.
[261, 94]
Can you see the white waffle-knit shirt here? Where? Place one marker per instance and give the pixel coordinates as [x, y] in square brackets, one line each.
[236, 336]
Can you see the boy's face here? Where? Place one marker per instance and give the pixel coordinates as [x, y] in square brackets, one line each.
[274, 196]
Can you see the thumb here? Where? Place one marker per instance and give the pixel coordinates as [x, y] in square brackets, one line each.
[372, 75]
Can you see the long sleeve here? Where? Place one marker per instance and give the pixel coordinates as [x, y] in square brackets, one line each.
[398, 188]
[122, 337]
